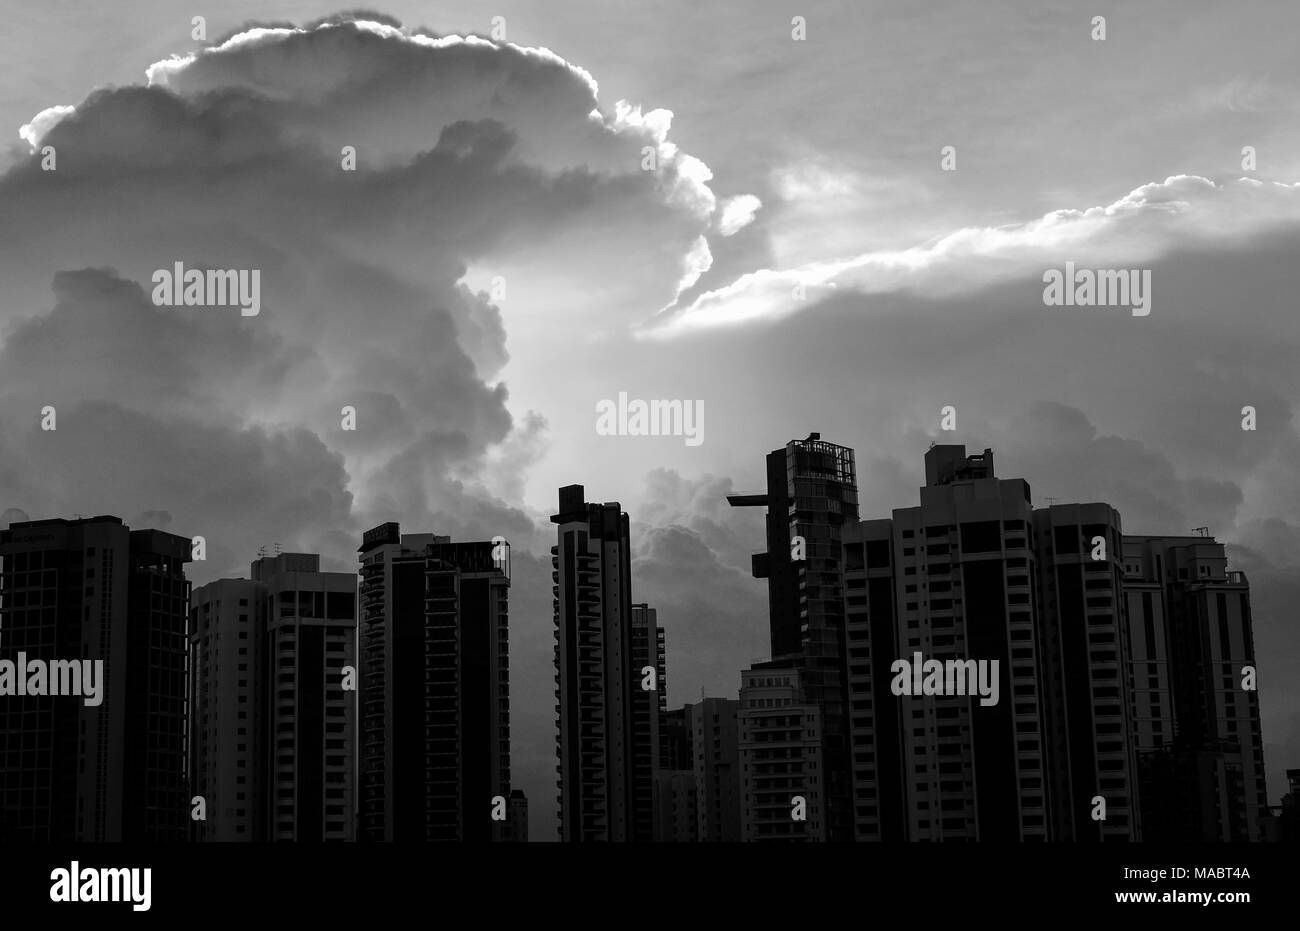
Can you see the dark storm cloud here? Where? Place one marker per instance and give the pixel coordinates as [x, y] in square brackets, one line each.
[232, 485]
[104, 338]
[467, 151]
[691, 561]
[714, 615]
[469, 154]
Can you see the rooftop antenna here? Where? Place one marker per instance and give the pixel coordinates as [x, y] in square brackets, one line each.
[261, 551]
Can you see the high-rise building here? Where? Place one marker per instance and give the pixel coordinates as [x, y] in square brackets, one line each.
[782, 763]
[1123, 710]
[875, 714]
[92, 589]
[227, 712]
[715, 739]
[607, 735]
[675, 741]
[435, 686]
[661, 681]
[811, 495]
[648, 701]
[676, 806]
[311, 630]
[964, 591]
[273, 727]
[1195, 711]
[1084, 654]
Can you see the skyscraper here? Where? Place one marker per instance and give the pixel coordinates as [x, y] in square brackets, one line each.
[1195, 709]
[811, 494]
[715, 739]
[607, 737]
[782, 759]
[435, 686]
[676, 806]
[875, 715]
[93, 589]
[311, 630]
[227, 711]
[273, 728]
[675, 740]
[675, 802]
[648, 701]
[1086, 661]
[963, 571]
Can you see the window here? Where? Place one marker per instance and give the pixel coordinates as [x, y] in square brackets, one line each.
[981, 536]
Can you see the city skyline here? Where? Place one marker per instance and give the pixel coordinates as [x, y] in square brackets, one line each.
[434, 249]
[666, 789]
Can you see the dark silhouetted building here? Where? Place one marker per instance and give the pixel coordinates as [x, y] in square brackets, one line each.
[674, 786]
[715, 739]
[607, 737]
[875, 715]
[1084, 652]
[675, 741]
[811, 495]
[782, 763]
[227, 712]
[1198, 735]
[676, 806]
[964, 591]
[272, 728]
[435, 706]
[93, 589]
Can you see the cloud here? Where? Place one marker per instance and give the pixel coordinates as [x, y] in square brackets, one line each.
[470, 154]
[233, 485]
[35, 131]
[1147, 223]
[737, 213]
[691, 562]
[475, 160]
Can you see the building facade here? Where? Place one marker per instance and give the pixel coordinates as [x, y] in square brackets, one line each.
[227, 711]
[607, 734]
[782, 763]
[273, 703]
[93, 589]
[1193, 703]
[715, 740]
[1086, 658]
[811, 496]
[435, 686]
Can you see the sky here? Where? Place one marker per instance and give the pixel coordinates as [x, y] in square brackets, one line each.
[796, 258]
